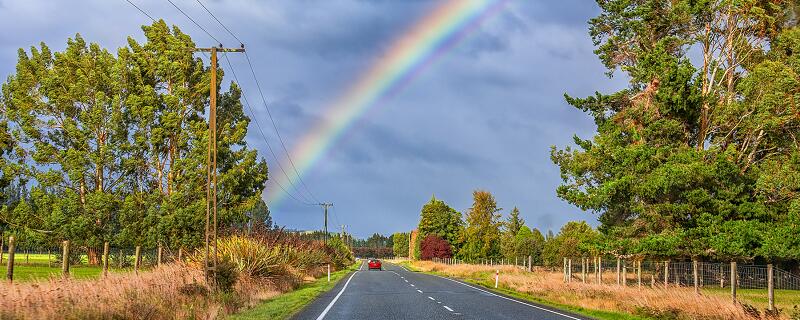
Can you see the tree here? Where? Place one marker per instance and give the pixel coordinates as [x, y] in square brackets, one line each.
[482, 233]
[529, 243]
[511, 228]
[434, 246]
[400, 244]
[113, 147]
[440, 219]
[693, 148]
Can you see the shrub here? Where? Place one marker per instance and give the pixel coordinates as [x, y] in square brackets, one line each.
[435, 247]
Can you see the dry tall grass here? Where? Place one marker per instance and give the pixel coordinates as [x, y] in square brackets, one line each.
[173, 291]
[672, 303]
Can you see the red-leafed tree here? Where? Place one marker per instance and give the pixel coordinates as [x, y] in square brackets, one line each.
[434, 246]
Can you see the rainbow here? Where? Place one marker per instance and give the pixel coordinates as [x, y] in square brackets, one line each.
[410, 54]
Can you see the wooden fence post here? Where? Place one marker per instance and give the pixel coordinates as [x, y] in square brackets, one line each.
[10, 267]
[619, 278]
[733, 280]
[138, 260]
[1, 248]
[569, 270]
[65, 259]
[105, 259]
[180, 254]
[770, 287]
[530, 264]
[639, 272]
[583, 269]
[666, 273]
[158, 259]
[624, 273]
[564, 268]
[695, 277]
[600, 270]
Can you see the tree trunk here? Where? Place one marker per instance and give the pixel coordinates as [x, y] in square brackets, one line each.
[94, 258]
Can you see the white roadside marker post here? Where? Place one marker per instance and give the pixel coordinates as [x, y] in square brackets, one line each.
[329, 272]
[496, 278]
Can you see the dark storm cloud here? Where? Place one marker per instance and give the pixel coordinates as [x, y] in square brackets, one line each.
[483, 116]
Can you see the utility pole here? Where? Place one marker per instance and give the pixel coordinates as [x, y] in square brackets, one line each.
[325, 206]
[211, 166]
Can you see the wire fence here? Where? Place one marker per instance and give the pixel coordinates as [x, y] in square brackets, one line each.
[679, 273]
[42, 262]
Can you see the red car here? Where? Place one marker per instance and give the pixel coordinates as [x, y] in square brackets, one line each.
[374, 264]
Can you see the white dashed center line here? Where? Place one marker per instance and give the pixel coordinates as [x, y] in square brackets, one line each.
[431, 298]
[413, 285]
[448, 308]
[418, 290]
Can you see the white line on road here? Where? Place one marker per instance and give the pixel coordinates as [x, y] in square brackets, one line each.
[413, 285]
[448, 308]
[509, 299]
[405, 280]
[418, 290]
[429, 297]
[328, 308]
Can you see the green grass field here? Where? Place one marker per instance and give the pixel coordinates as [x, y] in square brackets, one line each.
[784, 299]
[287, 304]
[40, 266]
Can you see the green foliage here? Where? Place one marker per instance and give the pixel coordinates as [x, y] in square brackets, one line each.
[400, 244]
[697, 157]
[440, 219]
[482, 233]
[511, 227]
[112, 147]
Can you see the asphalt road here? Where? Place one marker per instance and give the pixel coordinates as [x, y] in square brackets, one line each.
[396, 293]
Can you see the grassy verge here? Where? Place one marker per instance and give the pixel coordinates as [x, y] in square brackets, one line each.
[287, 304]
[784, 299]
[488, 285]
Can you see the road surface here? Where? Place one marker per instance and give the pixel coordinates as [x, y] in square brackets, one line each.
[396, 293]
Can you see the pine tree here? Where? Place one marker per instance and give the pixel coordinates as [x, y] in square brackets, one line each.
[482, 233]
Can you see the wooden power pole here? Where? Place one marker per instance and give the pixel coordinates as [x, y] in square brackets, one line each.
[211, 167]
[325, 207]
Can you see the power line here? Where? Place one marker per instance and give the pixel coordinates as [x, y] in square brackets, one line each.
[195, 22]
[266, 106]
[275, 126]
[140, 10]
[263, 136]
[220, 22]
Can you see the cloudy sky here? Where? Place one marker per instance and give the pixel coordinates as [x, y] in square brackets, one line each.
[483, 116]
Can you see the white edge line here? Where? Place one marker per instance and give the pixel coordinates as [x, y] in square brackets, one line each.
[509, 299]
[448, 308]
[330, 305]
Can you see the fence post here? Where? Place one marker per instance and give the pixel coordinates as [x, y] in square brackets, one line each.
[138, 259]
[770, 287]
[530, 264]
[695, 277]
[180, 253]
[733, 280]
[583, 270]
[105, 259]
[624, 273]
[65, 259]
[666, 273]
[619, 279]
[569, 270]
[600, 270]
[1, 248]
[10, 268]
[639, 272]
[564, 269]
[160, 251]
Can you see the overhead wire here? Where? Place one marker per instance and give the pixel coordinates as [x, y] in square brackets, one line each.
[263, 136]
[220, 22]
[305, 200]
[266, 106]
[195, 22]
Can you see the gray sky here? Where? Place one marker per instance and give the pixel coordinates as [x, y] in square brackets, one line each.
[482, 117]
